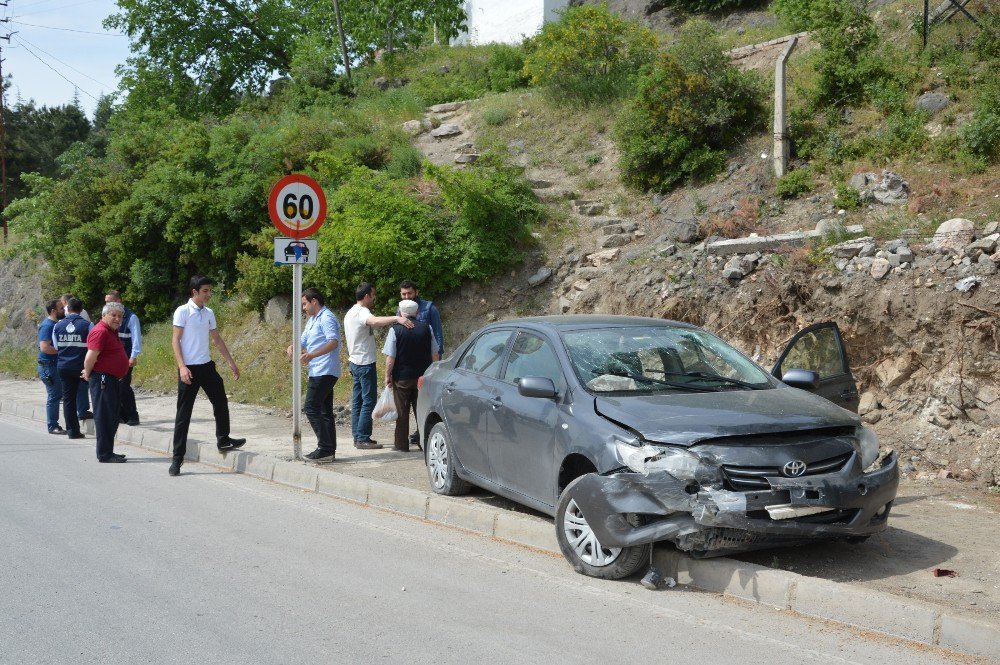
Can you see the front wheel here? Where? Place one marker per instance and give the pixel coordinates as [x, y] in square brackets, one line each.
[441, 463]
[581, 548]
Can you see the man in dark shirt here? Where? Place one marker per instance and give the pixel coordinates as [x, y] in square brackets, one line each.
[69, 337]
[409, 352]
[103, 368]
[48, 370]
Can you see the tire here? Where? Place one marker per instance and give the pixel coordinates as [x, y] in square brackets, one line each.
[579, 544]
[440, 461]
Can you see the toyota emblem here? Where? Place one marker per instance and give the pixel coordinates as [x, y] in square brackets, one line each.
[794, 469]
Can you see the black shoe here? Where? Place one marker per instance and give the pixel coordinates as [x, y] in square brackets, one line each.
[321, 456]
[368, 444]
[76, 435]
[87, 415]
[118, 455]
[175, 468]
[133, 423]
[229, 443]
[57, 430]
[114, 459]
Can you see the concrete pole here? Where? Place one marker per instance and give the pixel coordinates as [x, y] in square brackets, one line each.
[296, 365]
[782, 146]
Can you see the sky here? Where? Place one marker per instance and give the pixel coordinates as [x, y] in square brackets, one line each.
[52, 51]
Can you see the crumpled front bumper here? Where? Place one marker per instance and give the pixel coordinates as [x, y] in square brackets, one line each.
[716, 521]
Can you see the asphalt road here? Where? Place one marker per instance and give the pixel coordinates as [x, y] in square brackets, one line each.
[120, 563]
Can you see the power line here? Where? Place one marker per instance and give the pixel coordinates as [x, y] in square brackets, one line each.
[24, 41]
[55, 9]
[58, 73]
[86, 32]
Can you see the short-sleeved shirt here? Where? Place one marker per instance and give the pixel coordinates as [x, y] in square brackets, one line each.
[45, 335]
[196, 322]
[360, 336]
[112, 358]
[319, 330]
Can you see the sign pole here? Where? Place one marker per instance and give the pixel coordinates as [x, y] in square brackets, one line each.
[297, 207]
[296, 365]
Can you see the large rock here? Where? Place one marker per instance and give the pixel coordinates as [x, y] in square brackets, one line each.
[604, 257]
[278, 310]
[445, 108]
[894, 371]
[616, 240]
[952, 235]
[683, 230]
[849, 248]
[933, 102]
[413, 127]
[444, 131]
[880, 268]
[888, 189]
[540, 276]
[734, 269]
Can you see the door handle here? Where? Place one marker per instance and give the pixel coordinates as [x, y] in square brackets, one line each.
[449, 387]
[496, 402]
[849, 393]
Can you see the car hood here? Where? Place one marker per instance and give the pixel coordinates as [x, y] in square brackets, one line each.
[688, 418]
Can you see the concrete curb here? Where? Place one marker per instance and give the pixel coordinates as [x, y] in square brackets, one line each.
[841, 603]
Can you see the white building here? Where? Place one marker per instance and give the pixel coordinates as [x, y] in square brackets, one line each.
[506, 21]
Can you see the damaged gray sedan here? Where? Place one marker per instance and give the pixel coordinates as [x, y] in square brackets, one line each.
[631, 431]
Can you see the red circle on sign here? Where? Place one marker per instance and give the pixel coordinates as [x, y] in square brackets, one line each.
[297, 206]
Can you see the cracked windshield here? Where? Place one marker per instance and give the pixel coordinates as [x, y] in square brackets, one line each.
[651, 359]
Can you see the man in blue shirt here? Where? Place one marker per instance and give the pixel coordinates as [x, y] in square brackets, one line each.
[130, 334]
[320, 343]
[48, 371]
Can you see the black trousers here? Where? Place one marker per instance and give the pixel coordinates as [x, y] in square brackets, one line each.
[128, 410]
[70, 386]
[105, 401]
[319, 410]
[207, 378]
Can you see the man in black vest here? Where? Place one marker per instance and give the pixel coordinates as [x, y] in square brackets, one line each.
[409, 352]
[70, 339]
[130, 334]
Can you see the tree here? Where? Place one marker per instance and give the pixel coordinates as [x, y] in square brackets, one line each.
[204, 53]
[35, 137]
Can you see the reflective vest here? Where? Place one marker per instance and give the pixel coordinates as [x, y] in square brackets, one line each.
[70, 336]
[125, 333]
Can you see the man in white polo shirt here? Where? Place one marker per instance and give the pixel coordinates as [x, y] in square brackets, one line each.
[359, 325]
[194, 323]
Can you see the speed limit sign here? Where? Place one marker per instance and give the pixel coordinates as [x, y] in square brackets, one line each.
[297, 206]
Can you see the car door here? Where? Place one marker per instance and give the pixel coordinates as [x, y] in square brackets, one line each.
[820, 348]
[468, 396]
[522, 449]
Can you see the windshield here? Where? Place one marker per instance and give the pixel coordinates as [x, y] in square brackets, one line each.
[659, 359]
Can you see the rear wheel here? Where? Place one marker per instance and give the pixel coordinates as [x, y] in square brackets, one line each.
[582, 549]
[441, 463]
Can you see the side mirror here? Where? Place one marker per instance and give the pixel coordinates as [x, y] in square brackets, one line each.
[801, 378]
[537, 386]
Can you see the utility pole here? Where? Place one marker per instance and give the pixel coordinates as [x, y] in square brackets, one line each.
[3, 136]
[343, 42]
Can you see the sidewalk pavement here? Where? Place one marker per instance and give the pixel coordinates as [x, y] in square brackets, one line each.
[397, 482]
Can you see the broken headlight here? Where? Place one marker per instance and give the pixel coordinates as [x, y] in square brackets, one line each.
[646, 459]
[868, 441]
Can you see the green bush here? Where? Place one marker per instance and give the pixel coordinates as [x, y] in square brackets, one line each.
[711, 5]
[847, 197]
[981, 136]
[497, 114]
[690, 107]
[589, 54]
[505, 68]
[794, 184]
[457, 225]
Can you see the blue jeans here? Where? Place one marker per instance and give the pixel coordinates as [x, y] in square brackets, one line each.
[49, 375]
[364, 392]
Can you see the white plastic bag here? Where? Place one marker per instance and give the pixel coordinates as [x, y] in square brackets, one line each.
[385, 407]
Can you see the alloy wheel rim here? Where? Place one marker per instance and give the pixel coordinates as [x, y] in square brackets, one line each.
[437, 459]
[583, 541]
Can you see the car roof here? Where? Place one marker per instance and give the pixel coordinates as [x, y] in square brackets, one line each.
[584, 321]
